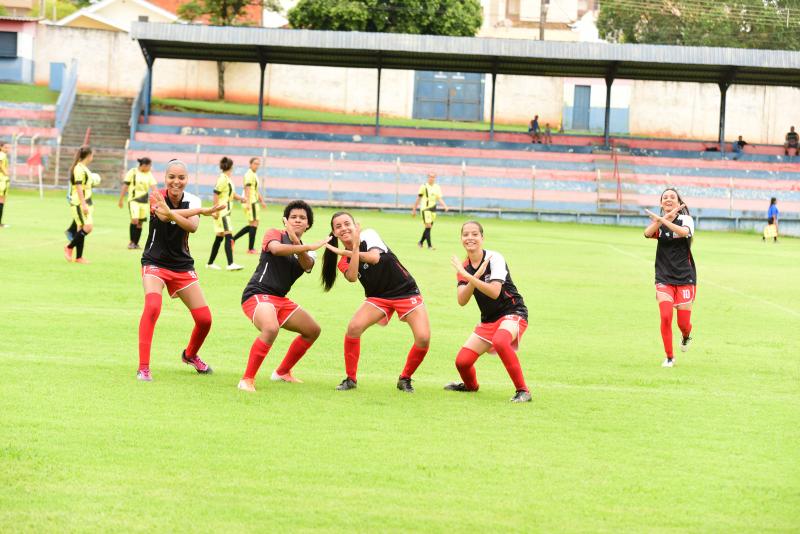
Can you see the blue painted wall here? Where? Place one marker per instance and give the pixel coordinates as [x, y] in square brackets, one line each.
[618, 125]
[16, 70]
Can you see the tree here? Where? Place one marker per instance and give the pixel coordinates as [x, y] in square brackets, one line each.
[63, 9]
[768, 24]
[432, 17]
[223, 13]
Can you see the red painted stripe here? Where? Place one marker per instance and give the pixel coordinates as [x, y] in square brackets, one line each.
[27, 114]
[44, 133]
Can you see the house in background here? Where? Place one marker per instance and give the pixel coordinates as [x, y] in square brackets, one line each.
[17, 8]
[16, 49]
[116, 15]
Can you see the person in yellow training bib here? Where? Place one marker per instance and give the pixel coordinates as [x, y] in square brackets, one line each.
[430, 194]
[252, 204]
[138, 183]
[224, 193]
[81, 182]
[5, 179]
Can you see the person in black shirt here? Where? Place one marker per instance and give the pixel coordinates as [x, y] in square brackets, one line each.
[792, 141]
[504, 316]
[388, 286]
[284, 258]
[676, 276]
[166, 262]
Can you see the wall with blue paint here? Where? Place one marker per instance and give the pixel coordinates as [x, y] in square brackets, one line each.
[17, 69]
[618, 124]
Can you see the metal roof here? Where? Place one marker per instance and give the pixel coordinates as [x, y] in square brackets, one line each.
[468, 54]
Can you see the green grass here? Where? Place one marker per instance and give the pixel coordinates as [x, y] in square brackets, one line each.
[612, 442]
[20, 92]
[310, 115]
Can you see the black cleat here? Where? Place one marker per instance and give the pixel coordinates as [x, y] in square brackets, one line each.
[347, 383]
[404, 384]
[685, 342]
[522, 396]
[456, 386]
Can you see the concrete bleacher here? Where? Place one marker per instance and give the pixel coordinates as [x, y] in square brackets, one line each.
[26, 120]
[350, 165]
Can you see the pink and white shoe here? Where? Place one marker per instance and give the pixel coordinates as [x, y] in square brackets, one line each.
[284, 378]
[252, 251]
[199, 365]
[144, 375]
[247, 384]
[68, 254]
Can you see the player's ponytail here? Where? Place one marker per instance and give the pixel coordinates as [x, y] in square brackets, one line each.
[225, 164]
[82, 153]
[144, 161]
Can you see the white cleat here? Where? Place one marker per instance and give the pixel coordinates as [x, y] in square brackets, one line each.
[214, 267]
[685, 342]
[247, 384]
[234, 267]
[284, 378]
[668, 362]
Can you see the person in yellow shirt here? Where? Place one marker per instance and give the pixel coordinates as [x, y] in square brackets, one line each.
[430, 194]
[80, 202]
[253, 201]
[138, 183]
[224, 193]
[5, 179]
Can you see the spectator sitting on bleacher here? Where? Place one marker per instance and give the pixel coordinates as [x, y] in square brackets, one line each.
[548, 134]
[792, 141]
[738, 146]
[533, 130]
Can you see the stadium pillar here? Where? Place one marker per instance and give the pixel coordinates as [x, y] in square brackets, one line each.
[263, 66]
[607, 123]
[378, 107]
[148, 89]
[723, 92]
[491, 123]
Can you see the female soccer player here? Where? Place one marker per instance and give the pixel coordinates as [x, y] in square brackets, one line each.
[388, 287]
[284, 258]
[253, 201]
[137, 184]
[224, 193]
[676, 276]
[166, 262]
[429, 195]
[5, 178]
[80, 201]
[504, 316]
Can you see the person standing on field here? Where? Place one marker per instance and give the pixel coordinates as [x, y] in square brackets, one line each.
[224, 193]
[253, 201]
[676, 275]
[430, 194]
[5, 178]
[80, 202]
[138, 184]
[504, 316]
[167, 263]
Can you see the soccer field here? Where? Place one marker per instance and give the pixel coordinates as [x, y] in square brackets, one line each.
[611, 441]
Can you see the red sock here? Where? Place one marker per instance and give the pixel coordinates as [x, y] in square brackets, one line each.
[152, 309]
[258, 351]
[465, 363]
[352, 350]
[665, 309]
[415, 357]
[502, 344]
[685, 322]
[202, 324]
[296, 351]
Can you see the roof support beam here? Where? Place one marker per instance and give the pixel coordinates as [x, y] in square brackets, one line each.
[262, 63]
[723, 94]
[610, 75]
[491, 122]
[378, 105]
[148, 90]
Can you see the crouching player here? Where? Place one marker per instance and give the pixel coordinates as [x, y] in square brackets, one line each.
[166, 262]
[284, 258]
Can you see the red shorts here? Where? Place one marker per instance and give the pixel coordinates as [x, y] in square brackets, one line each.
[486, 331]
[174, 281]
[402, 306]
[284, 308]
[677, 294]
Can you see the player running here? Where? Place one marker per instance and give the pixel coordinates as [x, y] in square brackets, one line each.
[284, 258]
[430, 194]
[388, 287]
[504, 316]
[166, 262]
[80, 201]
[5, 178]
[252, 204]
[224, 193]
[676, 276]
[138, 183]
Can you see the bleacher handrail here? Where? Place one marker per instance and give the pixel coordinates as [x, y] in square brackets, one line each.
[66, 99]
[136, 107]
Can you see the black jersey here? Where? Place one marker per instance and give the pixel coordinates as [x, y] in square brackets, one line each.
[167, 243]
[274, 274]
[674, 261]
[509, 302]
[387, 279]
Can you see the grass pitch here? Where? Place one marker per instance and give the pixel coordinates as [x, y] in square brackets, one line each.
[611, 442]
